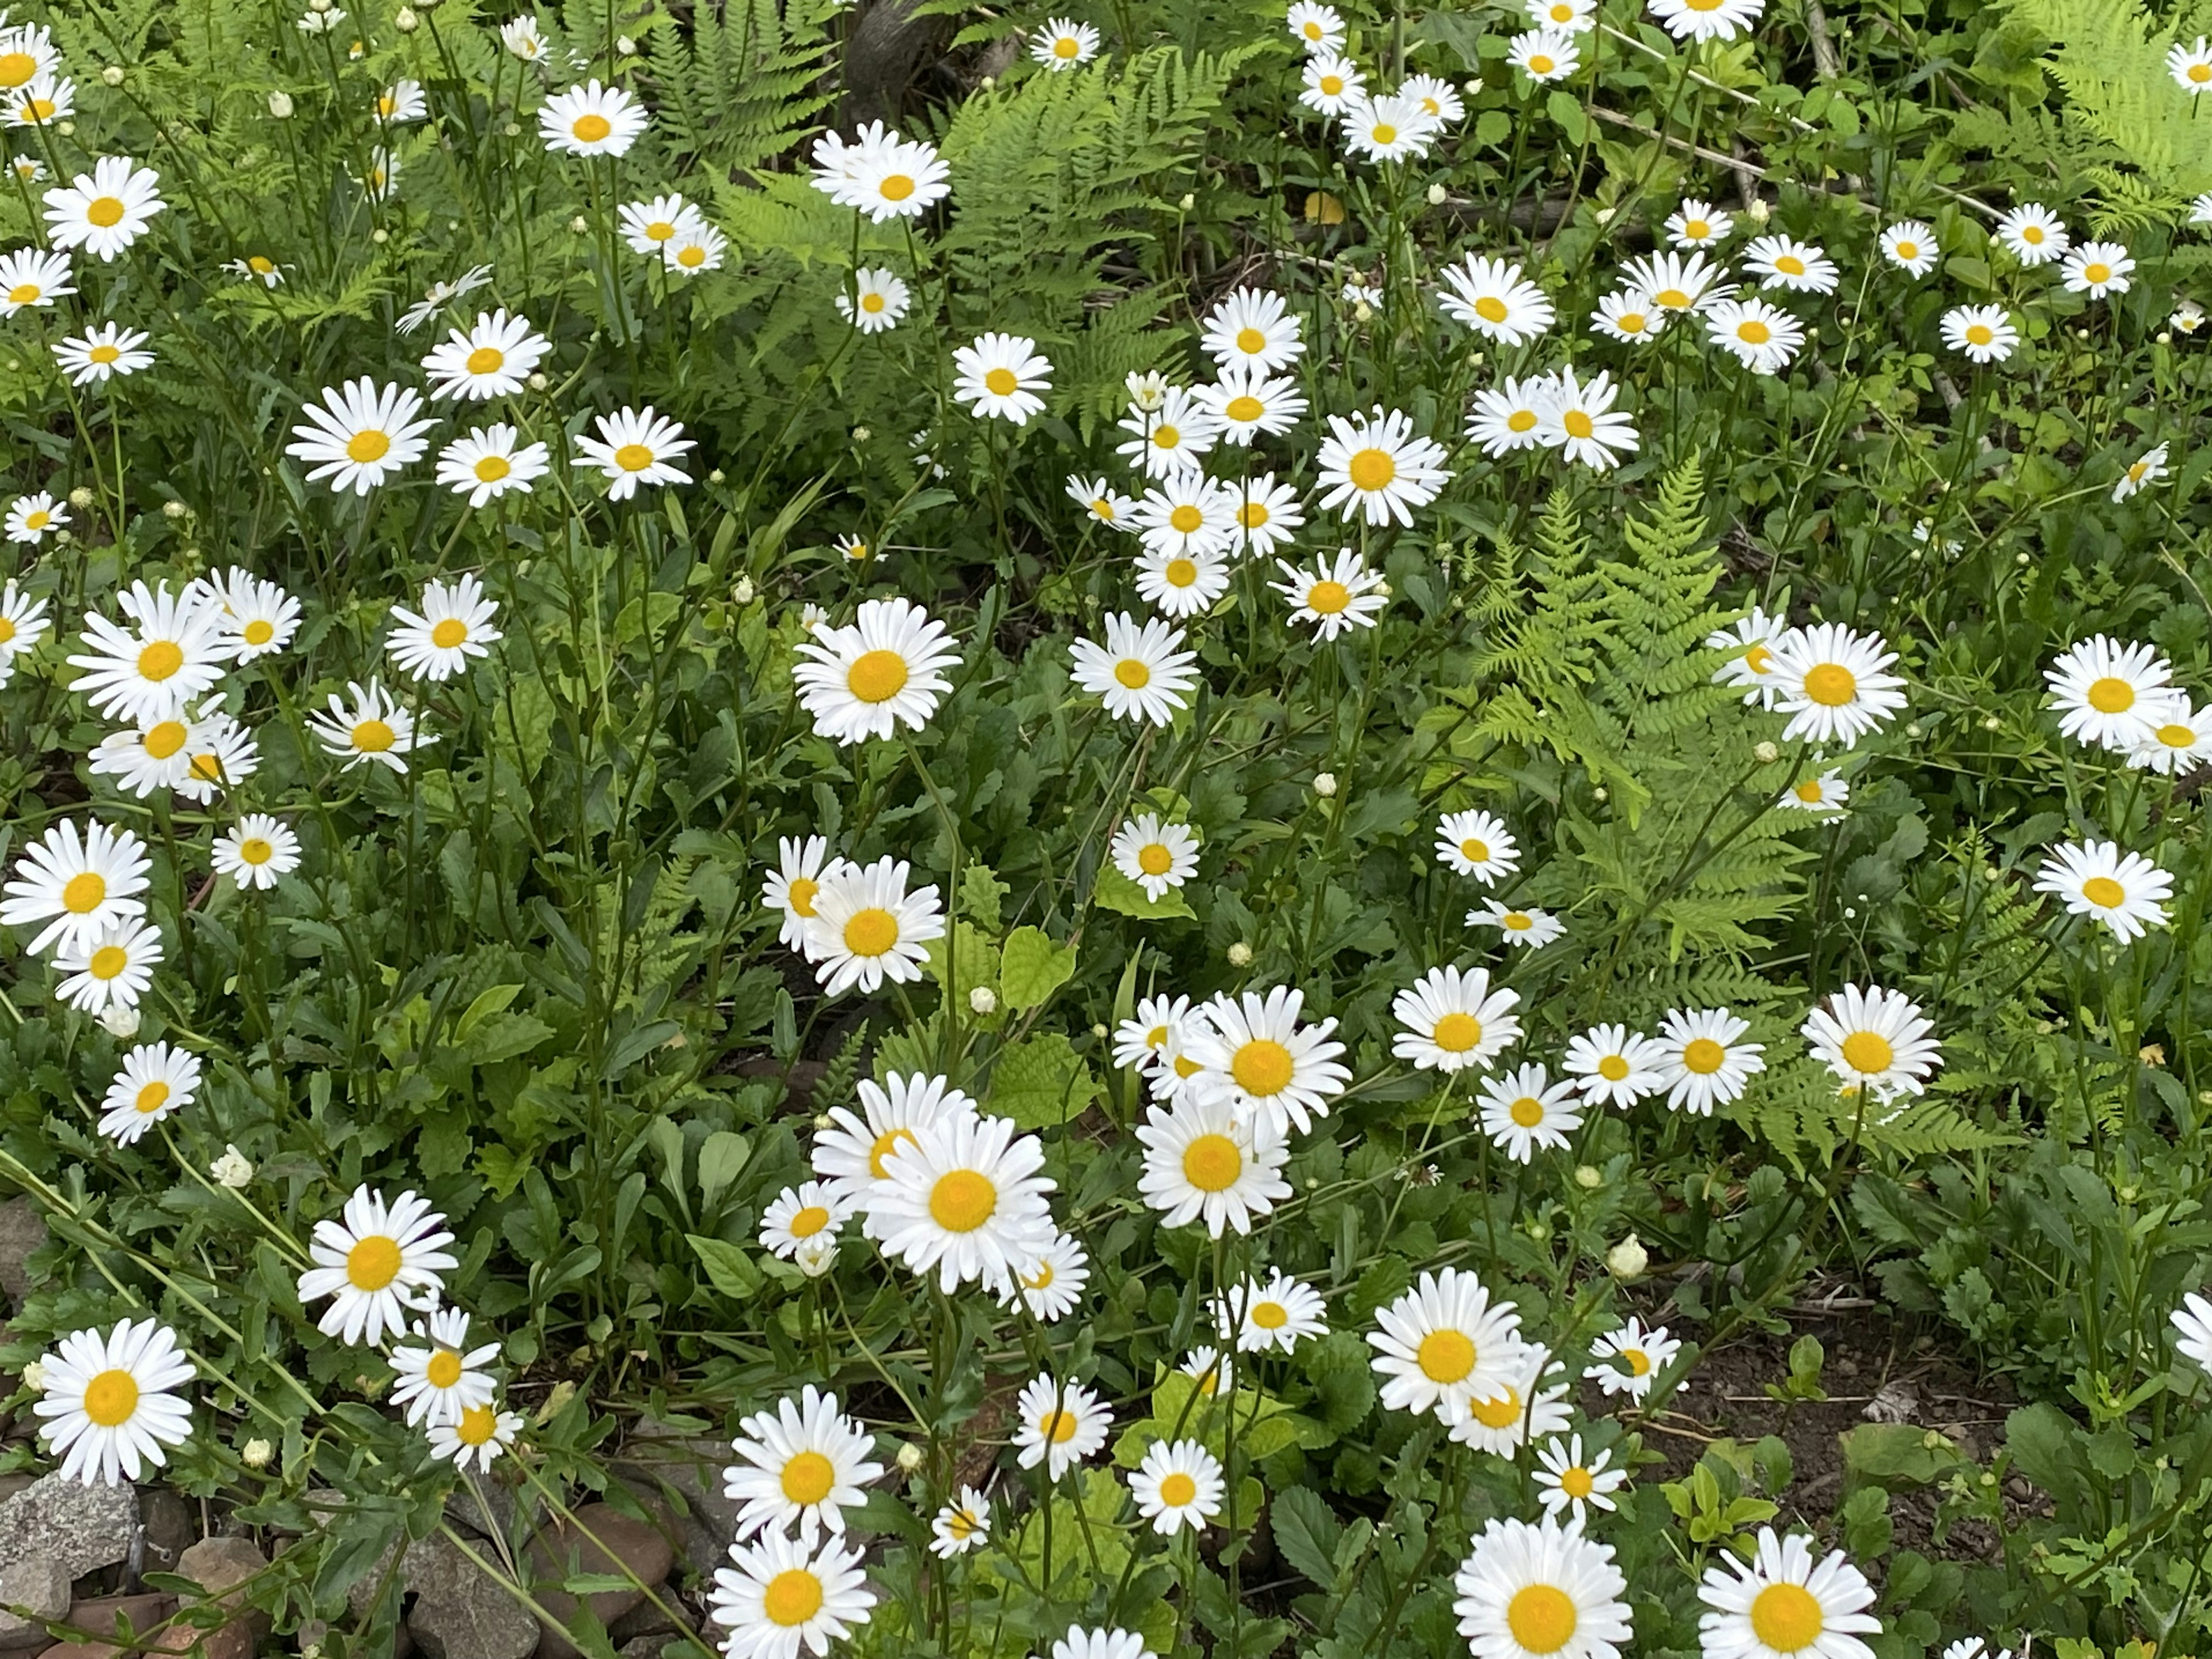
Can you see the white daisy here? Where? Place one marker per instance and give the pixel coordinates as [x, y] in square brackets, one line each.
[850, 1152]
[220, 755]
[961, 1526]
[32, 519]
[524, 37]
[1169, 440]
[1138, 1042]
[113, 969]
[1525, 927]
[1254, 1054]
[172, 655]
[1786, 262]
[1544, 55]
[23, 624]
[30, 277]
[1158, 857]
[453, 626]
[109, 1410]
[1751, 643]
[1063, 44]
[1822, 793]
[78, 886]
[1834, 684]
[99, 353]
[2097, 269]
[488, 462]
[1642, 1353]
[637, 446]
[866, 927]
[492, 358]
[1523, 1110]
[2143, 472]
[999, 377]
[791, 887]
[373, 728]
[1453, 1020]
[882, 174]
[1758, 335]
[1332, 84]
[799, 1214]
[1505, 418]
[1335, 594]
[2120, 889]
[1782, 1605]
[1615, 1065]
[2179, 741]
[1051, 1287]
[1206, 1162]
[1707, 19]
[1984, 334]
[1315, 27]
[2192, 1327]
[2034, 234]
[1182, 584]
[879, 297]
[1437, 97]
[1492, 297]
[965, 1198]
[651, 227]
[1910, 245]
[591, 120]
[359, 434]
[1443, 1345]
[1698, 224]
[1566, 1478]
[1061, 1424]
[2107, 690]
[377, 1264]
[886, 668]
[1268, 515]
[255, 851]
[480, 1437]
[1140, 671]
[106, 210]
[1187, 514]
[1704, 1062]
[1874, 1039]
[1628, 316]
[1273, 1316]
[1246, 403]
[1377, 464]
[156, 1079]
[1102, 502]
[441, 1377]
[1178, 1485]
[1542, 1591]
[781, 1594]
[1252, 328]
[1580, 419]
[801, 1466]
[1387, 129]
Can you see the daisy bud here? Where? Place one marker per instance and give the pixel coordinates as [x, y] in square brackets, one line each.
[173, 509]
[910, 1457]
[822, 1120]
[1187, 202]
[1992, 724]
[1604, 216]
[511, 129]
[983, 1000]
[1539, 1231]
[987, 83]
[744, 594]
[1240, 954]
[1097, 1030]
[280, 105]
[1325, 784]
[1470, 87]
[113, 74]
[716, 476]
[814, 1256]
[379, 236]
[1362, 312]
[1913, 729]
[80, 498]
[2020, 558]
[2152, 1054]
[34, 1377]
[1758, 210]
[1589, 1178]
[625, 46]
[1439, 195]
[68, 129]
[1627, 1259]
[538, 382]
[1766, 753]
[259, 1454]
[120, 1021]
[861, 434]
[579, 224]
[405, 20]
[1599, 794]
[231, 1170]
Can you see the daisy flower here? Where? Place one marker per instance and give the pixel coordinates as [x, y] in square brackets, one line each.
[1179, 1484]
[1786, 262]
[882, 174]
[1275, 1315]
[2107, 690]
[77, 884]
[2180, 741]
[1246, 403]
[359, 434]
[1911, 246]
[2146, 470]
[1377, 464]
[965, 1198]
[637, 446]
[48, 98]
[850, 1153]
[793, 885]
[373, 728]
[1253, 329]
[1214, 1370]
[1268, 515]
[1140, 671]
[1158, 857]
[781, 1594]
[2190, 66]
[524, 37]
[1387, 129]
[1493, 298]
[799, 1466]
[1063, 44]
[999, 377]
[1834, 684]
[1185, 515]
[1205, 1162]
[1580, 419]
[32, 519]
[488, 462]
[1707, 19]
[1315, 27]
[494, 358]
[1628, 317]
[1781, 1604]
[220, 755]
[2034, 234]
[481, 1436]
[109, 1410]
[797, 1214]
[863, 681]
[1697, 224]
[1168, 439]
[453, 626]
[2097, 269]
[106, 210]
[155, 1080]
[1530, 928]
[1566, 1479]
[101, 353]
[27, 51]
[254, 618]
[1102, 502]
[1332, 85]
[1335, 594]
[866, 927]
[1254, 1053]
[699, 249]
[1443, 1345]
[591, 120]
[1438, 99]
[878, 300]
[1542, 1591]
[441, 1377]
[1751, 642]
[1642, 1353]
[23, 624]
[400, 104]
[30, 277]
[1823, 794]
[1138, 1042]
[439, 295]
[255, 851]
[171, 655]
[1051, 1287]
[1181, 584]
[1984, 334]
[2120, 889]
[1453, 1020]
[1505, 418]
[2192, 1325]
[1080, 1643]
[381, 182]
[1061, 1424]
[1761, 337]
[961, 1526]
[649, 227]
[1874, 1039]
[111, 968]
[1523, 1110]
[256, 268]
[1615, 1065]
[377, 1264]
[1703, 1060]
[1677, 283]
[1544, 55]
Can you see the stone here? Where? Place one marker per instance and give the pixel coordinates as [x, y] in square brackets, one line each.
[657, 1460]
[461, 1612]
[22, 1230]
[98, 1613]
[82, 1528]
[599, 1540]
[647, 1618]
[650, 1646]
[38, 1583]
[171, 1524]
[220, 1566]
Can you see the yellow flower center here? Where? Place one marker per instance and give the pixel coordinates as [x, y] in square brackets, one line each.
[871, 933]
[1327, 599]
[1539, 63]
[1166, 436]
[2200, 73]
[83, 893]
[1704, 1056]
[1371, 468]
[2103, 892]
[1177, 1490]
[1831, 684]
[372, 1263]
[1519, 921]
[1212, 1163]
[2097, 272]
[108, 962]
[374, 736]
[484, 360]
[1752, 331]
[1271, 1316]
[1789, 264]
[1261, 1066]
[1908, 250]
[160, 659]
[1577, 1482]
[111, 1398]
[1133, 673]
[24, 294]
[1638, 1361]
[2032, 235]
[1332, 85]
[1869, 1052]
[1528, 1111]
[1058, 1426]
[808, 1478]
[7, 630]
[477, 1426]
[2112, 695]
[1041, 1279]
[1612, 1068]
[17, 68]
[897, 188]
[1810, 791]
[591, 127]
[164, 739]
[1385, 133]
[660, 231]
[1065, 47]
[367, 445]
[1696, 230]
[151, 1098]
[871, 302]
[1630, 322]
[1521, 420]
[448, 633]
[692, 255]
[1154, 860]
[792, 1597]
[444, 1369]
[1500, 1412]
[1445, 1356]
[1002, 382]
[1758, 660]
[963, 1200]
[1251, 340]
[492, 468]
[876, 676]
[808, 1221]
[884, 1145]
[634, 458]
[1185, 518]
[798, 893]
[1787, 1618]
[1490, 307]
[104, 353]
[259, 263]
[2177, 737]
[106, 211]
[1542, 1616]
[1578, 423]
[1246, 408]
[1457, 1033]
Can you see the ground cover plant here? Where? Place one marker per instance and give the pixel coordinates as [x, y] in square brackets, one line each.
[1161, 813]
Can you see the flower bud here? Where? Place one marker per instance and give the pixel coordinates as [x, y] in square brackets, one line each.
[1589, 1178]
[983, 1001]
[231, 1170]
[1240, 954]
[717, 475]
[405, 20]
[259, 1454]
[280, 105]
[1627, 1259]
[625, 46]
[1766, 752]
[173, 509]
[1438, 196]
[538, 382]
[379, 236]
[1187, 202]
[113, 74]
[120, 1021]
[815, 1256]
[861, 434]
[911, 1457]
[744, 593]
[80, 498]
[1325, 784]
[34, 1377]
[580, 224]
[1758, 211]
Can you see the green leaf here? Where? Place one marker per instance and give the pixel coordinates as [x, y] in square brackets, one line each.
[729, 1269]
[1116, 892]
[500, 1036]
[1041, 1080]
[723, 1158]
[980, 893]
[1032, 967]
[1895, 1455]
[1567, 110]
[1303, 1525]
[487, 1003]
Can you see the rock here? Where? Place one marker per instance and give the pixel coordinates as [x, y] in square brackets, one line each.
[646, 1647]
[220, 1565]
[657, 1461]
[461, 1612]
[1894, 1402]
[99, 1614]
[485, 1504]
[38, 1583]
[600, 1540]
[647, 1618]
[22, 1230]
[170, 1524]
[80, 1528]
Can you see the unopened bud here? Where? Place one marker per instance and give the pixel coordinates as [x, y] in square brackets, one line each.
[1438, 196]
[80, 498]
[817, 1255]
[1325, 784]
[983, 1000]
[911, 1457]
[580, 224]
[34, 1377]
[1589, 1178]
[744, 593]
[1240, 954]
[280, 105]
[113, 74]
[1766, 753]
[120, 1021]
[538, 382]
[405, 20]
[1627, 1259]
[625, 46]
[257, 1455]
